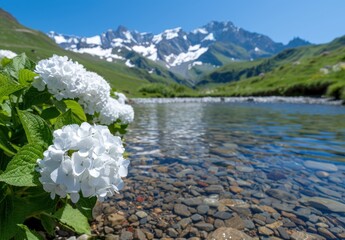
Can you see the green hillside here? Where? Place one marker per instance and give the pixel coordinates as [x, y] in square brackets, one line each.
[309, 71]
[17, 38]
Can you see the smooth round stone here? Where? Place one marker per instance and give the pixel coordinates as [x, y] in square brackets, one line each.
[281, 195]
[265, 231]
[203, 209]
[214, 189]
[322, 174]
[328, 191]
[196, 217]
[245, 169]
[204, 226]
[192, 201]
[335, 179]
[141, 214]
[223, 215]
[276, 175]
[182, 210]
[224, 233]
[325, 204]
[328, 167]
[249, 224]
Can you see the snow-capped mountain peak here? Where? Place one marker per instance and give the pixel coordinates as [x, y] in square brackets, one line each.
[174, 48]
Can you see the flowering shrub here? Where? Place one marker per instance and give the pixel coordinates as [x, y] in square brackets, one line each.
[56, 160]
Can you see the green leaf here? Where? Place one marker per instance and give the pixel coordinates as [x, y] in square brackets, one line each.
[85, 206]
[21, 169]
[73, 218]
[17, 209]
[5, 143]
[19, 62]
[76, 109]
[8, 86]
[34, 97]
[25, 233]
[36, 129]
[7, 229]
[5, 61]
[50, 113]
[26, 76]
[66, 118]
[48, 223]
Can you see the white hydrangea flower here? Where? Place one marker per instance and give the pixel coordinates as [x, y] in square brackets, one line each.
[63, 77]
[114, 110]
[96, 94]
[66, 79]
[121, 97]
[7, 53]
[84, 159]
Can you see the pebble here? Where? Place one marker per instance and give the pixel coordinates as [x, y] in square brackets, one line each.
[182, 210]
[116, 219]
[245, 169]
[203, 209]
[204, 226]
[211, 202]
[281, 195]
[328, 167]
[225, 233]
[223, 215]
[236, 222]
[242, 198]
[126, 235]
[214, 189]
[141, 214]
[325, 204]
[196, 217]
[322, 174]
[265, 231]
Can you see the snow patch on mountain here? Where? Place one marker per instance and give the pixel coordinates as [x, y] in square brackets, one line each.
[129, 64]
[193, 53]
[94, 40]
[60, 39]
[171, 33]
[209, 37]
[98, 51]
[200, 30]
[150, 52]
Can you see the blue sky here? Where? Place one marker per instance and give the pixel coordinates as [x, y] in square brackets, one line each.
[318, 21]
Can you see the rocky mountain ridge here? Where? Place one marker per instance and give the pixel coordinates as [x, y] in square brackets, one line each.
[208, 47]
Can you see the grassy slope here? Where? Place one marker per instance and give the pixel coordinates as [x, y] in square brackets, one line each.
[293, 72]
[15, 37]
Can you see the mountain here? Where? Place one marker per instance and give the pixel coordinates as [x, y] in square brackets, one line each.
[188, 54]
[316, 70]
[37, 46]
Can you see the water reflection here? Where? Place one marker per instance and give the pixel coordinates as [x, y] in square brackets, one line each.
[292, 131]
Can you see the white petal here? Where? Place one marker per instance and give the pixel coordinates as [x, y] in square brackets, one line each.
[74, 197]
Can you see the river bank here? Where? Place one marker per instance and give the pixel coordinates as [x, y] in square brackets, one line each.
[272, 99]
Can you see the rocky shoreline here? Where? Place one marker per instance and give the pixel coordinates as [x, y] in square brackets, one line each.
[271, 99]
[225, 200]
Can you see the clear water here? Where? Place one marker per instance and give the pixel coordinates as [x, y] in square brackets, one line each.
[271, 133]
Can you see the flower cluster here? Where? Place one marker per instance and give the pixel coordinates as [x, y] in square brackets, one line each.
[66, 79]
[86, 159]
[7, 54]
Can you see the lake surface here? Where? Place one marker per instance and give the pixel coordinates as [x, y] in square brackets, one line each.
[267, 132]
[289, 157]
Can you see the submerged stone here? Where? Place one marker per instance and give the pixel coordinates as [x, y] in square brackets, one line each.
[328, 167]
[325, 204]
